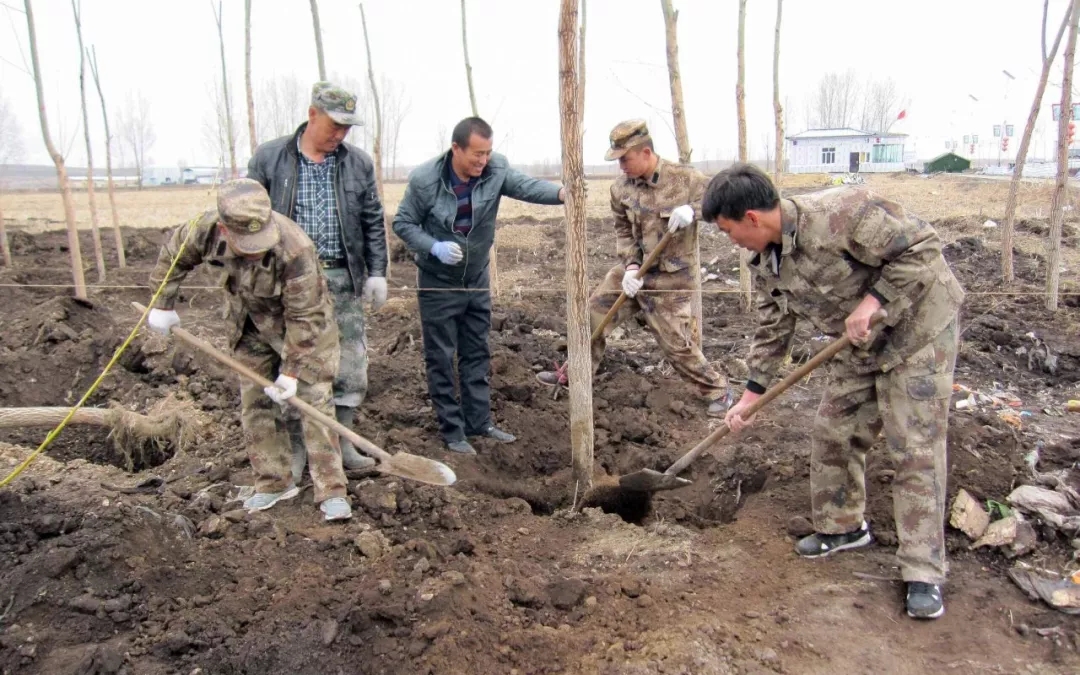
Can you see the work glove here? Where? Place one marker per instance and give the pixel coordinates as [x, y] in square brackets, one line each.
[283, 388]
[375, 291]
[630, 283]
[162, 320]
[680, 218]
[448, 252]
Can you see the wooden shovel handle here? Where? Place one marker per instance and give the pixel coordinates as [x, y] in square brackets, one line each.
[649, 262]
[304, 407]
[831, 350]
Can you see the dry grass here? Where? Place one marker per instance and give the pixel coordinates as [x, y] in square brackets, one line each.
[952, 196]
[935, 198]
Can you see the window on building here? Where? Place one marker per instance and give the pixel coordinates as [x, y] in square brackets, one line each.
[884, 154]
[864, 157]
[828, 155]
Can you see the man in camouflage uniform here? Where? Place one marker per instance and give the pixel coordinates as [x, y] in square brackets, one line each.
[834, 258]
[652, 197]
[281, 325]
[328, 187]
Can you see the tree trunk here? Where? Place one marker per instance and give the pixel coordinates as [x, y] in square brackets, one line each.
[99, 255]
[493, 267]
[225, 88]
[1057, 213]
[252, 135]
[117, 235]
[376, 147]
[61, 171]
[318, 38]
[778, 109]
[1007, 273]
[745, 282]
[468, 66]
[682, 140]
[577, 319]
[4, 239]
[581, 70]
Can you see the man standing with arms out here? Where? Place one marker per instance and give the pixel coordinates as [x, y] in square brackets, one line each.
[281, 326]
[328, 187]
[834, 258]
[651, 198]
[447, 218]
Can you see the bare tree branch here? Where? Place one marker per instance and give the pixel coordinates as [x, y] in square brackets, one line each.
[99, 255]
[117, 235]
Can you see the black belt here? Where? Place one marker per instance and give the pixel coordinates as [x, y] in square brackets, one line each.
[333, 264]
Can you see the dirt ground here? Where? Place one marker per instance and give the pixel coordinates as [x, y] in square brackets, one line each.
[140, 562]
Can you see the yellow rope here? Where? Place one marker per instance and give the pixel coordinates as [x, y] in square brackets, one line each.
[115, 357]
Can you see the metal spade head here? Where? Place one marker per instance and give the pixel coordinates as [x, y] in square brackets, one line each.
[648, 480]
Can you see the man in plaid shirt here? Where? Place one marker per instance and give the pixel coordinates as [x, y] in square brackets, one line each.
[328, 187]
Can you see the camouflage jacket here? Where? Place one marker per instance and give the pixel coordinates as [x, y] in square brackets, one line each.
[642, 207]
[839, 246]
[283, 293]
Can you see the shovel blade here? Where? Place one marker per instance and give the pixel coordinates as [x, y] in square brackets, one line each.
[648, 480]
[415, 467]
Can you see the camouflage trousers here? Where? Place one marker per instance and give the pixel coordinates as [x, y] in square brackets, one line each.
[668, 316]
[350, 386]
[265, 428]
[911, 404]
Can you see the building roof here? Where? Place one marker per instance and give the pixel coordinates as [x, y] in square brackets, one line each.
[946, 154]
[846, 132]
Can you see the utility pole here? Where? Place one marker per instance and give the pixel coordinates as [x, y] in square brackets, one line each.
[1004, 118]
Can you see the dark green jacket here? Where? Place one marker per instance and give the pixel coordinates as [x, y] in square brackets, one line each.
[427, 212]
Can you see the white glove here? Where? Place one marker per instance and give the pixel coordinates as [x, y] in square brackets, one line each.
[448, 252]
[631, 284]
[375, 291]
[283, 388]
[162, 320]
[680, 218]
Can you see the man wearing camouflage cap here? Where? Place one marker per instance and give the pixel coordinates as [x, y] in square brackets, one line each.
[328, 187]
[281, 325]
[651, 198]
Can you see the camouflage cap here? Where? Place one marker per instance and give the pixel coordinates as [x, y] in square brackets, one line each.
[626, 135]
[337, 102]
[244, 210]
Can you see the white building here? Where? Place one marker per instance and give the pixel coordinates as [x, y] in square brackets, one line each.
[845, 151]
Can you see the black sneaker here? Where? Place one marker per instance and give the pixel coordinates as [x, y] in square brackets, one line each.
[462, 447]
[819, 545]
[497, 434]
[924, 600]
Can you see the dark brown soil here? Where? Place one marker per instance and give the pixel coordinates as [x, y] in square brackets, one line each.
[494, 575]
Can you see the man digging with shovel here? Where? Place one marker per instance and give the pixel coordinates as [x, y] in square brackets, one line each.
[835, 258]
[281, 323]
[653, 198]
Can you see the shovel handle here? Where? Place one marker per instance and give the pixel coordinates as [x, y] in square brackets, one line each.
[649, 262]
[304, 407]
[831, 350]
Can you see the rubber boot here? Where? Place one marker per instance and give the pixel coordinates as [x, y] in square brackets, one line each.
[299, 450]
[350, 458]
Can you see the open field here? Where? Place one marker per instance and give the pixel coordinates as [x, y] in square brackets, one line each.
[492, 575]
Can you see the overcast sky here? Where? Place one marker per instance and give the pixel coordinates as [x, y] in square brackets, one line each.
[938, 51]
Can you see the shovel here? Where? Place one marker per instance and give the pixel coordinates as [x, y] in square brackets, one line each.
[648, 480]
[648, 262]
[402, 464]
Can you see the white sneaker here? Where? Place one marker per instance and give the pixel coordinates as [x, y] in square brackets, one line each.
[260, 501]
[336, 508]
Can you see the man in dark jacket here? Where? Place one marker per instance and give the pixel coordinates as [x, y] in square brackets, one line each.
[328, 187]
[447, 218]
